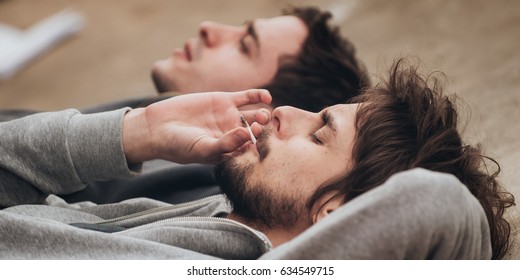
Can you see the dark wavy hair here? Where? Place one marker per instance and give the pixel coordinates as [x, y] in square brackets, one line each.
[325, 71]
[407, 122]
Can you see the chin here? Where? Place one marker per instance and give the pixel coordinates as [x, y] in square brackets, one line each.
[161, 82]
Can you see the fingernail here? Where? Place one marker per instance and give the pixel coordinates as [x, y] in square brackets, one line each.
[266, 113]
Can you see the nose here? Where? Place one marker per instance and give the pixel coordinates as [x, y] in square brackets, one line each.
[291, 121]
[213, 34]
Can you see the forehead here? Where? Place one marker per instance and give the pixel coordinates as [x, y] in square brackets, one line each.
[283, 34]
[343, 112]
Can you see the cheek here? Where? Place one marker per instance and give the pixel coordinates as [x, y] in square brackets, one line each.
[300, 169]
[225, 69]
[221, 61]
[313, 168]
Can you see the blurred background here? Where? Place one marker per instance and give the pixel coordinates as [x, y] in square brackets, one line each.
[476, 43]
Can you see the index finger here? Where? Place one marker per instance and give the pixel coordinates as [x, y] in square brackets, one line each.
[251, 96]
[261, 116]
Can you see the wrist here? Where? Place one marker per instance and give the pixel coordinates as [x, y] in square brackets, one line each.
[135, 136]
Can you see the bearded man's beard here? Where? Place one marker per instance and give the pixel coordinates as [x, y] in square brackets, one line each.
[259, 205]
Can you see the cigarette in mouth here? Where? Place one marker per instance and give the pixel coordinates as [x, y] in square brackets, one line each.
[244, 122]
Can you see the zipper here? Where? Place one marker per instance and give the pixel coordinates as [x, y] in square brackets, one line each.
[219, 220]
[160, 209]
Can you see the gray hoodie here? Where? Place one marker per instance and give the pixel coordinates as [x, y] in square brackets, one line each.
[55, 153]
[416, 214]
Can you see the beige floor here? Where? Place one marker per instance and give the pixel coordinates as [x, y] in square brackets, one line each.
[476, 43]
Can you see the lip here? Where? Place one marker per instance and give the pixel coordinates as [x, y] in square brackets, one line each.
[180, 53]
[252, 147]
[187, 51]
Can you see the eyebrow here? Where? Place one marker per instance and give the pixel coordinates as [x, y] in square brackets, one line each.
[329, 120]
[251, 30]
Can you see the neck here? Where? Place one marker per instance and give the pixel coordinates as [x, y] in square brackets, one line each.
[276, 235]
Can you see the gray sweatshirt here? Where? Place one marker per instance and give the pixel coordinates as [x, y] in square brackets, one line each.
[416, 214]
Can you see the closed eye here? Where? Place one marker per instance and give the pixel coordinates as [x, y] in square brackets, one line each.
[253, 38]
[326, 119]
[315, 138]
[243, 46]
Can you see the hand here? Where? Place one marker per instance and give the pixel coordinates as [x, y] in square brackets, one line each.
[194, 127]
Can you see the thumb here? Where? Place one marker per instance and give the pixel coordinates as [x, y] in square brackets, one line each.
[232, 140]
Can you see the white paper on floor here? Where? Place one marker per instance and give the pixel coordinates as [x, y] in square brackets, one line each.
[19, 47]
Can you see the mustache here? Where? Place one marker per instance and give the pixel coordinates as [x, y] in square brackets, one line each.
[262, 145]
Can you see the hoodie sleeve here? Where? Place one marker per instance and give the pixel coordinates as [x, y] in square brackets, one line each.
[59, 153]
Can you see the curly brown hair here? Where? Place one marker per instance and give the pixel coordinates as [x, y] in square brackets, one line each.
[406, 122]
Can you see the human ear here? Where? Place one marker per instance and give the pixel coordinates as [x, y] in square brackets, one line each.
[331, 204]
